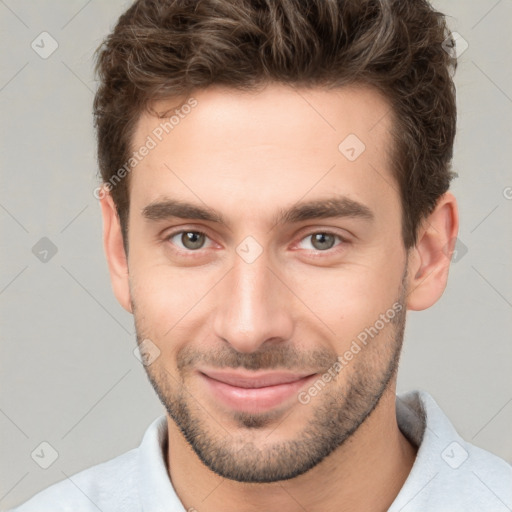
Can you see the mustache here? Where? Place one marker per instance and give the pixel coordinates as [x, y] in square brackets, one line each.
[275, 357]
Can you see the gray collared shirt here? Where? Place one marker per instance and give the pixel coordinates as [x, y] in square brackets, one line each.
[448, 475]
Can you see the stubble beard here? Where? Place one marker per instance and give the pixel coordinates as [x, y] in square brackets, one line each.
[334, 415]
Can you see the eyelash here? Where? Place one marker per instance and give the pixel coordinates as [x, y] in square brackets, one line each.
[330, 251]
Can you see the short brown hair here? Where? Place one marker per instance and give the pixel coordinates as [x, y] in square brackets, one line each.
[170, 48]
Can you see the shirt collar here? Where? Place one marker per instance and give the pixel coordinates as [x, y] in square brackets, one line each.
[418, 416]
[155, 488]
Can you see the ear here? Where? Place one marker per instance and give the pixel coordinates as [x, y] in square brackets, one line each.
[114, 250]
[430, 259]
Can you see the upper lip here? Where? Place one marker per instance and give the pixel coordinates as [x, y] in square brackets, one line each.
[254, 379]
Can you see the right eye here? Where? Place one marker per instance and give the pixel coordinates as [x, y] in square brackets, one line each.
[190, 240]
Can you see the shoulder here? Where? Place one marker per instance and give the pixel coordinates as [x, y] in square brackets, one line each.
[109, 486]
[470, 478]
[449, 474]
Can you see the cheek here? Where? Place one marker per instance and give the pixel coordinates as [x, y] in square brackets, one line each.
[168, 299]
[347, 299]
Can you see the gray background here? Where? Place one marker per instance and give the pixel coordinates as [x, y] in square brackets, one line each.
[68, 373]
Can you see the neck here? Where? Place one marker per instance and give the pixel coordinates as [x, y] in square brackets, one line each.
[364, 474]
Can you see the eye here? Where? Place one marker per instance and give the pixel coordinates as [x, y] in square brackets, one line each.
[190, 240]
[321, 241]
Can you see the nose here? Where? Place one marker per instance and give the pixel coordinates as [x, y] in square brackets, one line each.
[253, 306]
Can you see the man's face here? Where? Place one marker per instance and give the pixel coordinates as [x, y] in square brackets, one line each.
[261, 292]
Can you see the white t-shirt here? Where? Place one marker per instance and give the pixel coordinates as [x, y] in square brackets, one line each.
[448, 475]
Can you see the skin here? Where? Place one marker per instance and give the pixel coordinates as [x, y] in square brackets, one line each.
[246, 156]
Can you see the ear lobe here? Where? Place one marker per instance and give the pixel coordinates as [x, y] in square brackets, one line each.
[114, 250]
[430, 262]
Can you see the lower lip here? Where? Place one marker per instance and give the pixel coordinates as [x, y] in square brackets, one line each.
[254, 399]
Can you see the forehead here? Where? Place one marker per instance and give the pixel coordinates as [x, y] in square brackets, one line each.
[317, 116]
[270, 147]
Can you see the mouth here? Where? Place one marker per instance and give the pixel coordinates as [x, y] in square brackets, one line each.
[253, 391]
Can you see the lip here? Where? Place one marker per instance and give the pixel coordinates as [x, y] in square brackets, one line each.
[253, 391]
[251, 380]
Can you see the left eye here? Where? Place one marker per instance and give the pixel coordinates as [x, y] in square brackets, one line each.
[322, 241]
[190, 240]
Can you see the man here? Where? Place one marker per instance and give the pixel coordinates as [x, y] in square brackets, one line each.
[275, 198]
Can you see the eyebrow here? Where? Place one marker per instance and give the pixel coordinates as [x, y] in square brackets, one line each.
[332, 207]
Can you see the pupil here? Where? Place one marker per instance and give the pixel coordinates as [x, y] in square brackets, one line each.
[323, 241]
[192, 240]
